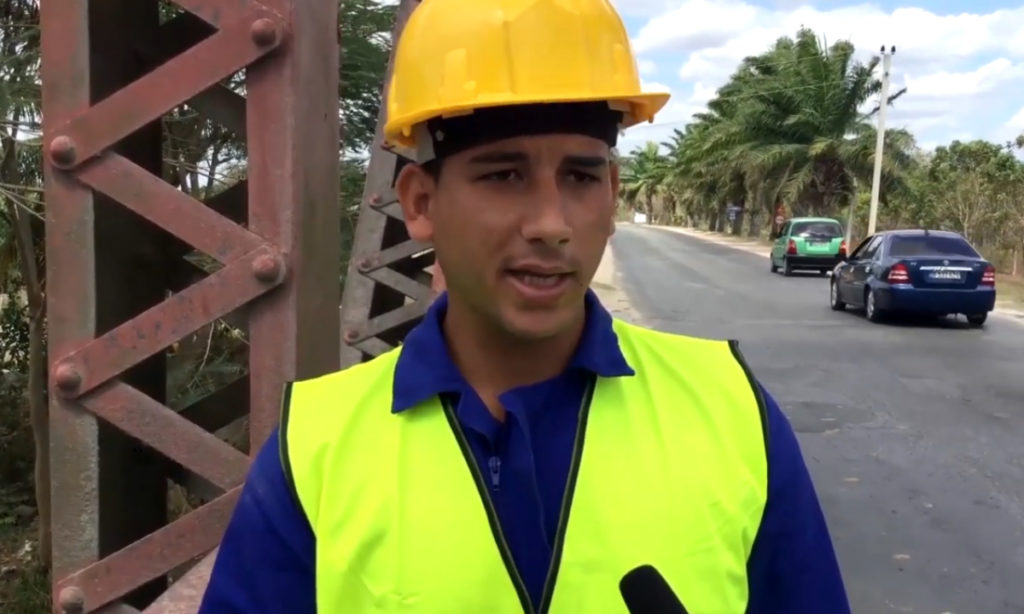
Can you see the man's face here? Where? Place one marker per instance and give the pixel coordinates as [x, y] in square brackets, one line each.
[519, 227]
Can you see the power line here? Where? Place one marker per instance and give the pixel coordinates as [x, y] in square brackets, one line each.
[781, 63]
[749, 95]
[733, 97]
[777, 63]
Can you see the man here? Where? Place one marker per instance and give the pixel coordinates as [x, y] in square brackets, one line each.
[522, 451]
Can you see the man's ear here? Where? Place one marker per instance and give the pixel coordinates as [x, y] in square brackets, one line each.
[614, 177]
[416, 190]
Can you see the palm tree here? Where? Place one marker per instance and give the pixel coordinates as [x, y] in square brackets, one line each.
[789, 125]
[643, 175]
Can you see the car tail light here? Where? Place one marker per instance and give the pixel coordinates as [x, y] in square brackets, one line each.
[842, 248]
[791, 248]
[988, 278]
[899, 274]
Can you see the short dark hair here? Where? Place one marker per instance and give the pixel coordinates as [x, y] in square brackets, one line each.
[431, 167]
[454, 134]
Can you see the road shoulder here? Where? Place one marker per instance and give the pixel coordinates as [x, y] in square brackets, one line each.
[754, 246]
[607, 284]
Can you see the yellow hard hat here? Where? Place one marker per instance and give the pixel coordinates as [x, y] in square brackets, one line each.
[455, 56]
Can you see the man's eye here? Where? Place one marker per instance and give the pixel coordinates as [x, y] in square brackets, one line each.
[505, 175]
[583, 177]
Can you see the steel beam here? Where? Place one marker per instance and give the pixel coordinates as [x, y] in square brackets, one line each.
[389, 285]
[71, 292]
[293, 137]
[281, 267]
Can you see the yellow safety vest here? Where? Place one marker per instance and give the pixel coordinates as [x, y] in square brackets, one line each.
[669, 469]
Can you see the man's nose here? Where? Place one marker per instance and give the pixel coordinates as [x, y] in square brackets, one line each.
[546, 219]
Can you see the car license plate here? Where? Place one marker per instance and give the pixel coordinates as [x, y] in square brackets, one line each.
[817, 243]
[946, 276]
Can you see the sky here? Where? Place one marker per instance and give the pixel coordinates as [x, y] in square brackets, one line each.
[961, 62]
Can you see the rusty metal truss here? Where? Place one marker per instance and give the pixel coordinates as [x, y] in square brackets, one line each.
[391, 281]
[120, 292]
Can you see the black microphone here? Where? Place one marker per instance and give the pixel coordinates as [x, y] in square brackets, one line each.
[645, 591]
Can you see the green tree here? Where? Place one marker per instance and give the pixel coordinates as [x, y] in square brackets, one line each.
[788, 126]
[644, 172]
[21, 268]
[365, 35]
[975, 188]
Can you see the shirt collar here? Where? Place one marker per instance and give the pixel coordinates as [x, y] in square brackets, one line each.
[425, 368]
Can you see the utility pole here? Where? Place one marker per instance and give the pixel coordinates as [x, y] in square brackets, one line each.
[849, 218]
[883, 105]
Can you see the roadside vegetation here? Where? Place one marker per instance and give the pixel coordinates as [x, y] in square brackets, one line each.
[794, 127]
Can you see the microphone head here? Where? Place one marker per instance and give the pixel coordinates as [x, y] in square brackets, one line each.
[645, 591]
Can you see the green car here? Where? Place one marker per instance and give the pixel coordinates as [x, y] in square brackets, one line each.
[809, 244]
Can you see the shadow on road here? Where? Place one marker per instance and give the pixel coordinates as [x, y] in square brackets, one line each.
[907, 321]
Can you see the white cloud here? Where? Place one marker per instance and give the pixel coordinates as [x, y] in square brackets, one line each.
[696, 24]
[1017, 121]
[654, 86]
[641, 8]
[702, 94]
[920, 35]
[675, 115]
[960, 70]
[946, 100]
[984, 80]
[647, 67]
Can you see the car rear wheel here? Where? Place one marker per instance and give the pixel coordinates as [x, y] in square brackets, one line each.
[977, 319]
[837, 304]
[771, 262]
[787, 268]
[871, 310]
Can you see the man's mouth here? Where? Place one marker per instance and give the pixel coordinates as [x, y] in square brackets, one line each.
[539, 280]
[540, 284]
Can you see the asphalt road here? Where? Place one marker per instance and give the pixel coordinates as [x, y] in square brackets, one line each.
[913, 431]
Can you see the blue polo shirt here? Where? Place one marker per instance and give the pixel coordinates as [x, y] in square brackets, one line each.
[266, 562]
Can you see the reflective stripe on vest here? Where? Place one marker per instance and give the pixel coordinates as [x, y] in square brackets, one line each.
[669, 469]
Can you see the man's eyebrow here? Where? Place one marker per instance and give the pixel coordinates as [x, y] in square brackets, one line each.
[506, 157]
[498, 157]
[586, 161]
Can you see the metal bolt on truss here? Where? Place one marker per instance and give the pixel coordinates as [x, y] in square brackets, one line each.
[116, 234]
[389, 284]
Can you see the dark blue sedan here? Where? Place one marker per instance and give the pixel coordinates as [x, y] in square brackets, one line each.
[929, 272]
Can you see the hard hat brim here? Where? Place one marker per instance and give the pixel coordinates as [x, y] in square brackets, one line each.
[637, 109]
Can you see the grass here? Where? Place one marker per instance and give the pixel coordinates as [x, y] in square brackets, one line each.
[24, 583]
[1010, 291]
